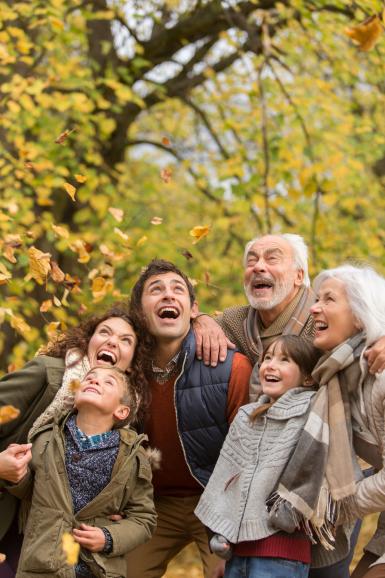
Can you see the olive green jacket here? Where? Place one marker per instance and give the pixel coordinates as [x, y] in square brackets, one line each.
[30, 389]
[51, 515]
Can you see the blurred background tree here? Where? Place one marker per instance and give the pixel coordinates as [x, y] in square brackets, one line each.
[125, 125]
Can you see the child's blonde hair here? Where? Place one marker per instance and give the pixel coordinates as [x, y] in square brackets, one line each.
[301, 351]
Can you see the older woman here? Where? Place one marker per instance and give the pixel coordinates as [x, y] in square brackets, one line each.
[349, 316]
[43, 387]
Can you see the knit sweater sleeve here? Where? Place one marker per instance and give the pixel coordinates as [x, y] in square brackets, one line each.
[238, 390]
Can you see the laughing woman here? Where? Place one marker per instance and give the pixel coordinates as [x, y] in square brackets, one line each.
[43, 387]
[349, 317]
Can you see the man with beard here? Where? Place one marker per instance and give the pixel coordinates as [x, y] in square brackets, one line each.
[276, 282]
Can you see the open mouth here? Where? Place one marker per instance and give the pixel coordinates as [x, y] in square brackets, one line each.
[90, 389]
[261, 283]
[272, 378]
[106, 357]
[168, 313]
[320, 325]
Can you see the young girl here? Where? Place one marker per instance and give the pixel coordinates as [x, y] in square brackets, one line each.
[257, 448]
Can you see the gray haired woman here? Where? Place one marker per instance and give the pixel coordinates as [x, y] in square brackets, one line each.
[349, 316]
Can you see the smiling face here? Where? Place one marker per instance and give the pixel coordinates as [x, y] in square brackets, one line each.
[278, 372]
[333, 317]
[112, 344]
[271, 279]
[166, 306]
[103, 389]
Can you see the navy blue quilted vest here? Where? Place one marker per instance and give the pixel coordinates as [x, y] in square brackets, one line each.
[201, 408]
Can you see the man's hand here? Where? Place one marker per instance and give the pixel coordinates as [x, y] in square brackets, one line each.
[211, 342]
[14, 462]
[219, 571]
[375, 356]
[90, 537]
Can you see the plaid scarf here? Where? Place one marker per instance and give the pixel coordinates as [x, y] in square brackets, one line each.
[294, 326]
[319, 478]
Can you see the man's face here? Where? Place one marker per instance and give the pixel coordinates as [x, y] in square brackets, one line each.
[166, 306]
[270, 277]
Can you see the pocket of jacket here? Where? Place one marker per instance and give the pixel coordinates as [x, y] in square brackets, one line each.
[42, 549]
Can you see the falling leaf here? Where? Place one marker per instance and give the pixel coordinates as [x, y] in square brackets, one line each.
[72, 283]
[117, 214]
[14, 241]
[60, 231]
[80, 248]
[52, 329]
[71, 190]
[5, 275]
[64, 298]
[46, 306]
[20, 325]
[28, 165]
[63, 136]
[187, 255]
[141, 241]
[367, 33]
[80, 178]
[56, 301]
[199, 232]
[165, 175]
[8, 413]
[120, 234]
[100, 287]
[156, 221]
[57, 274]
[39, 264]
[166, 141]
[9, 254]
[3, 558]
[74, 385]
[71, 548]
[207, 277]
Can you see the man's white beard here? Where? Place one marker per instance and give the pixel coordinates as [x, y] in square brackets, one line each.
[280, 292]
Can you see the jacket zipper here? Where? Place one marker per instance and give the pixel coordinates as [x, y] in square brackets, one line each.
[177, 422]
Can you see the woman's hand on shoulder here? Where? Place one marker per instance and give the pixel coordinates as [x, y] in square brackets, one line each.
[14, 462]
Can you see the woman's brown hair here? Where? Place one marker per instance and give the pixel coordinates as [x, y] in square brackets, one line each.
[302, 352]
[79, 337]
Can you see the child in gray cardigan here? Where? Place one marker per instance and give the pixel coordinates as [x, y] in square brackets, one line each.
[257, 448]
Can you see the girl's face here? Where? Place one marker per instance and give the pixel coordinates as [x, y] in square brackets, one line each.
[278, 372]
[112, 344]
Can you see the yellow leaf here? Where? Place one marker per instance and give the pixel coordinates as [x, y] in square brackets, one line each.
[8, 413]
[60, 231]
[46, 306]
[199, 232]
[80, 178]
[20, 325]
[70, 189]
[39, 264]
[71, 548]
[120, 234]
[80, 248]
[56, 301]
[116, 213]
[141, 241]
[156, 221]
[100, 287]
[74, 385]
[366, 34]
[52, 329]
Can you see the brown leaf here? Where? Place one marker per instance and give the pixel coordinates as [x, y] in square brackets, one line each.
[74, 385]
[166, 141]
[199, 232]
[186, 254]
[57, 274]
[165, 175]
[72, 283]
[207, 277]
[8, 413]
[63, 136]
[39, 264]
[367, 33]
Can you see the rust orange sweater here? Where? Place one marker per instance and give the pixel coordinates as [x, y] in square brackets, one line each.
[174, 477]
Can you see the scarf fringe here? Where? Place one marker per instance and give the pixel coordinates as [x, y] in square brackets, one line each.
[323, 533]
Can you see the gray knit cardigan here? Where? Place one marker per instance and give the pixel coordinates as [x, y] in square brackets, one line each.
[251, 462]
